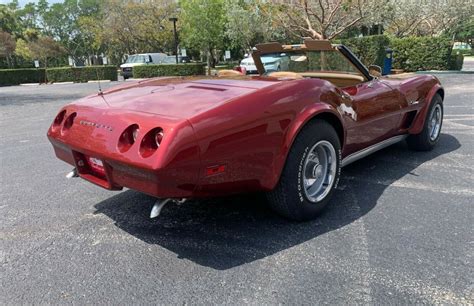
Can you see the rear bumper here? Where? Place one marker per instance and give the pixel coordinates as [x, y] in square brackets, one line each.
[126, 72]
[163, 183]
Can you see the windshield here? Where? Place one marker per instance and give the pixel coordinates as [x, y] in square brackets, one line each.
[312, 61]
[136, 59]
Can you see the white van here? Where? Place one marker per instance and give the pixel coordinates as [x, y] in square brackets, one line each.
[139, 60]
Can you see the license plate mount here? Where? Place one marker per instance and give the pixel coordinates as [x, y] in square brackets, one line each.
[96, 165]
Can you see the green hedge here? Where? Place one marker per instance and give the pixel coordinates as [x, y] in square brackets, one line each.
[456, 61]
[19, 76]
[410, 53]
[369, 49]
[148, 71]
[81, 74]
[421, 53]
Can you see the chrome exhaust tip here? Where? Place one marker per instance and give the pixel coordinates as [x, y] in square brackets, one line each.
[160, 203]
[156, 209]
[72, 174]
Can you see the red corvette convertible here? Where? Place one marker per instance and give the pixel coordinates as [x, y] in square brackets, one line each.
[287, 132]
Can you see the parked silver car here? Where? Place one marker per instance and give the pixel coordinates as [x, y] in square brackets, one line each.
[139, 60]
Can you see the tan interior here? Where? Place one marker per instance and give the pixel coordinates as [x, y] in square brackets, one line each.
[285, 75]
[338, 79]
[228, 72]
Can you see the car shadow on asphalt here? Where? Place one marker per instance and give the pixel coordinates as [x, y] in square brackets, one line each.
[226, 232]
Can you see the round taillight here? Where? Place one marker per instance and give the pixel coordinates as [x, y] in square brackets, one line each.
[68, 122]
[128, 137]
[151, 142]
[59, 118]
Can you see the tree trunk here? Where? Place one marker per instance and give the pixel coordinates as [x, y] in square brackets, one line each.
[9, 62]
[208, 53]
[213, 58]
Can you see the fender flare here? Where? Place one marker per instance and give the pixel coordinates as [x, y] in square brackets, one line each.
[419, 121]
[309, 113]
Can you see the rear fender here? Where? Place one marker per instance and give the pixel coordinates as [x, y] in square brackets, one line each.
[306, 115]
[419, 121]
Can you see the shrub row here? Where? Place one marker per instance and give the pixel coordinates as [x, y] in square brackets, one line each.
[409, 53]
[148, 71]
[369, 49]
[456, 61]
[81, 74]
[63, 74]
[23, 75]
[421, 53]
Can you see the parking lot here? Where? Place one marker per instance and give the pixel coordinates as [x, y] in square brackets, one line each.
[400, 229]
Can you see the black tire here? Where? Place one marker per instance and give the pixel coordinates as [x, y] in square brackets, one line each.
[289, 198]
[424, 141]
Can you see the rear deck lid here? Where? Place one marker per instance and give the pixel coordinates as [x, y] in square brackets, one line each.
[180, 98]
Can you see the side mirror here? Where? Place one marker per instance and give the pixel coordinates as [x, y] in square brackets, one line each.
[375, 71]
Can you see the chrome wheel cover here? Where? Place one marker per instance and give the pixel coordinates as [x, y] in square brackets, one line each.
[319, 171]
[434, 123]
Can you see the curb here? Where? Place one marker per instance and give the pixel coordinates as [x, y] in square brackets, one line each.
[97, 81]
[446, 72]
[62, 83]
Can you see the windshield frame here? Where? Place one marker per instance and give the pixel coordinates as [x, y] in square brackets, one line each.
[310, 45]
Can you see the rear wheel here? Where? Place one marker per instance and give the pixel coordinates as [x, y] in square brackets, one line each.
[429, 136]
[310, 174]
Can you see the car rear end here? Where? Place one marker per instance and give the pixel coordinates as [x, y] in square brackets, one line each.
[115, 148]
[127, 72]
[248, 65]
[139, 134]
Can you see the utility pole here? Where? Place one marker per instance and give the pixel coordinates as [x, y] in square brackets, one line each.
[174, 19]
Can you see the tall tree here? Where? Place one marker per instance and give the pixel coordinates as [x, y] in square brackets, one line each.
[61, 21]
[323, 19]
[203, 26]
[7, 47]
[427, 18]
[45, 48]
[8, 20]
[244, 23]
[128, 27]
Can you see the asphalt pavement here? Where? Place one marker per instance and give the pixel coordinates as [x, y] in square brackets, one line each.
[398, 231]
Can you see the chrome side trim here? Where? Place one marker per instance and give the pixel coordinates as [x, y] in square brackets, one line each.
[369, 150]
